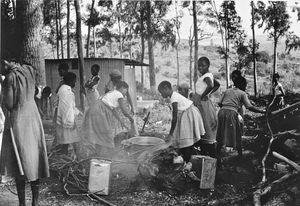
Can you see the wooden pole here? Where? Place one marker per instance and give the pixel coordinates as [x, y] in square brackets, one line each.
[79, 51]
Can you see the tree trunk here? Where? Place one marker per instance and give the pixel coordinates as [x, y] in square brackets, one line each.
[253, 50]
[68, 29]
[57, 30]
[227, 72]
[120, 37]
[177, 44]
[94, 39]
[30, 25]
[191, 57]
[150, 48]
[275, 56]
[196, 44]
[60, 30]
[79, 51]
[89, 31]
[143, 46]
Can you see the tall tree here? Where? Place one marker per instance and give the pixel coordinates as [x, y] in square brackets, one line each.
[253, 47]
[191, 43]
[79, 51]
[60, 29]
[57, 28]
[89, 30]
[231, 27]
[142, 34]
[195, 22]
[29, 25]
[275, 20]
[177, 24]
[150, 47]
[68, 29]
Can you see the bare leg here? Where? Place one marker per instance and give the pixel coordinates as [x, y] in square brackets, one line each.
[35, 192]
[20, 183]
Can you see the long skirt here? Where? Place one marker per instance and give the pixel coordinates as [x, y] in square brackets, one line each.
[92, 95]
[208, 112]
[66, 135]
[229, 129]
[98, 125]
[189, 128]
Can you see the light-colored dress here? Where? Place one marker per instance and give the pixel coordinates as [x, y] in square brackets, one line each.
[189, 126]
[207, 110]
[66, 129]
[92, 93]
[27, 128]
[99, 121]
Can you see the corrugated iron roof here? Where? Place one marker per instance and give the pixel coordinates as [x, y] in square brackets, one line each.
[128, 62]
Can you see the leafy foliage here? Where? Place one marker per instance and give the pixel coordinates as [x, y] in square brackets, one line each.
[292, 42]
[274, 17]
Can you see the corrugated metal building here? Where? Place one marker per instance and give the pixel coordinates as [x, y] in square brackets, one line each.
[125, 66]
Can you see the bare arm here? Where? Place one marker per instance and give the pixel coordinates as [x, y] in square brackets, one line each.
[130, 102]
[174, 117]
[249, 106]
[216, 86]
[124, 109]
[209, 88]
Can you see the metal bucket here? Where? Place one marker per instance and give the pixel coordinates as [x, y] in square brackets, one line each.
[136, 145]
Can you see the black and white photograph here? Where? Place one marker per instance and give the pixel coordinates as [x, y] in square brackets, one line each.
[150, 103]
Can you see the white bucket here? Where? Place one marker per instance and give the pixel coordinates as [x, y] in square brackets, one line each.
[99, 177]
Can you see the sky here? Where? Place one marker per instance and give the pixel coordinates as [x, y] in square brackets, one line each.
[244, 11]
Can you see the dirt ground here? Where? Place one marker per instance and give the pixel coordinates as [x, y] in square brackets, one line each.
[234, 183]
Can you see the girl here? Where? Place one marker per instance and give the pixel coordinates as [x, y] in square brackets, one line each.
[229, 131]
[91, 85]
[66, 129]
[206, 85]
[115, 77]
[101, 118]
[23, 153]
[187, 124]
[278, 91]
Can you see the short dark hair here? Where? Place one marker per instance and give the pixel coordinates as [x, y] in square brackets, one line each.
[63, 66]
[121, 84]
[46, 91]
[69, 77]
[236, 73]
[205, 59]
[240, 83]
[164, 84]
[95, 67]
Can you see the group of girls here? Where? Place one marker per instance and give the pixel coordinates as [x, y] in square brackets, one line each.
[101, 117]
[195, 122]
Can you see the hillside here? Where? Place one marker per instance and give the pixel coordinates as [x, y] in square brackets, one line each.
[288, 65]
[165, 63]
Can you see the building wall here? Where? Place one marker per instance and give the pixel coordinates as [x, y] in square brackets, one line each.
[106, 66]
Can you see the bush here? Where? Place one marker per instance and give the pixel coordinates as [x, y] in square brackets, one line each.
[263, 56]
